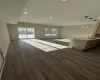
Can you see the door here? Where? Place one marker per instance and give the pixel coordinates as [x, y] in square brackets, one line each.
[26, 33]
[30, 33]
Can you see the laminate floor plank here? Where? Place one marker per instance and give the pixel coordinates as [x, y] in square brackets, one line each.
[14, 67]
[52, 74]
[26, 62]
[78, 67]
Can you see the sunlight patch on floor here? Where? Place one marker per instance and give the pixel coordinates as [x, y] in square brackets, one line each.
[51, 44]
[41, 46]
[63, 40]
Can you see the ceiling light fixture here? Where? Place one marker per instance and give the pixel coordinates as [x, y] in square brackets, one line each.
[50, 17]
[64, 0]
[95, 20]
[90, 18]
[86, 16]
[83, 27]
[25, 12]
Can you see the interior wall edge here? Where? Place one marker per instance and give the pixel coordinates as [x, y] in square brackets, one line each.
[4, 42]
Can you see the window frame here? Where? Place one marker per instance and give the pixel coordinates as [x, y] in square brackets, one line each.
[27, 32]
[51, 33]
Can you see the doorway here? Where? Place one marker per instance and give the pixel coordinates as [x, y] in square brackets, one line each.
[26, 33]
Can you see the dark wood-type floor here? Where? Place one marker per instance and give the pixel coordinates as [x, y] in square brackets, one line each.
[25, 62]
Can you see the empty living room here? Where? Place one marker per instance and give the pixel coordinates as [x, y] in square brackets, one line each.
[49, 40]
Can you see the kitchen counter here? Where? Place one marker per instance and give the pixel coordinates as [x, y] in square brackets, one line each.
[84, 43]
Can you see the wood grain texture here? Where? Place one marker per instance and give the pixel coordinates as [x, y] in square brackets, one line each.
[25, 62]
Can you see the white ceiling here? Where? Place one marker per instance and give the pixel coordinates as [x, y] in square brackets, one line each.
[70, 12]
[10, 10]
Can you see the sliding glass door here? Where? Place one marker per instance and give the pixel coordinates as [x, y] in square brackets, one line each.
[22, 33]
[26, 33]
[30, 33]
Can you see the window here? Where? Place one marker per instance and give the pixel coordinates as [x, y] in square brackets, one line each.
[22, 32]
[30, 32]
[26, 32]
[54, 32]
[50, 32]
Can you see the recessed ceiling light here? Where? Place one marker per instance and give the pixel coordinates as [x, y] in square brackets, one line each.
[86, 16]
[83, 27]
[90, 18]
[64, 0]
[50, 17]
[25, 12]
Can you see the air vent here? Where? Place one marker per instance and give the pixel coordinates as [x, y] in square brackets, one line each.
[86, 16]
[90, 18]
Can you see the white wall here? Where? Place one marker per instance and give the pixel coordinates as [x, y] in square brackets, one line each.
[39, 30]
[4, 42]
[98, 30]
[76, 31]
[13, 33]
[4, 37]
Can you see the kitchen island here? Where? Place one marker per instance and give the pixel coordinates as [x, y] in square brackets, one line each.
[84, 43]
